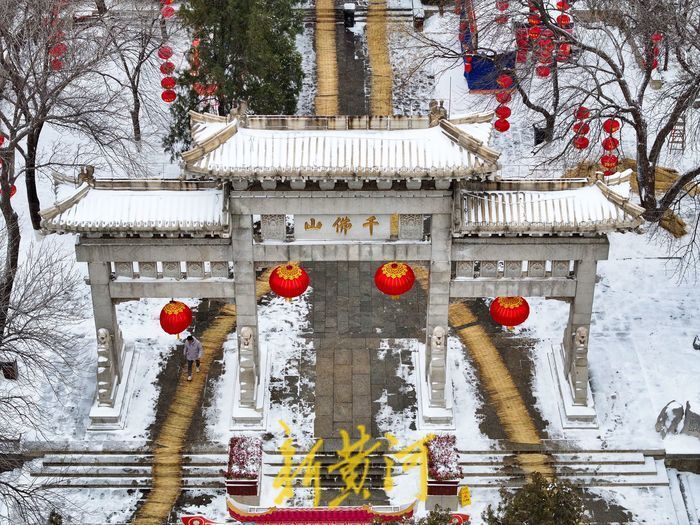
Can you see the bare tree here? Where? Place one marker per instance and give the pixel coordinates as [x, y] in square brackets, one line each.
[46, 304]
[610, 68]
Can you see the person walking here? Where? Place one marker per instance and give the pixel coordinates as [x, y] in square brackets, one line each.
[193, 353]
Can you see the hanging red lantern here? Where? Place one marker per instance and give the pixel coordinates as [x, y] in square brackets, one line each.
[502, 6]
[166, 2]
[167, 67]
[168, 96]
[505, 81]
[534, 20]
[610, 143]
[580, 142]
[211, 89]
[657, 37]
[394, 279]
[2, 140]
[534, 32]
[56, 64]
[582, 113]
[467, 67]
[501, 125]
[503, 111]
[289, 280]
[175, 317]
[581, 128]
[563, 20]
[503, 97]
[168, 83]
[609, 161]
[564, 52]
[168, 11]
[165, 52]
[199, 88]
[509, 311]
[562, 5]
[542, 71]
[13, 190]
[611, 125]
[502, 19]
[58, 50]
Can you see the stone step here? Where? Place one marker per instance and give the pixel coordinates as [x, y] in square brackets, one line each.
[109, 471]
[128, 459]
[130, 483]
[617, 458]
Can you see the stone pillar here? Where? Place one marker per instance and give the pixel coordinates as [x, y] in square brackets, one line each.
[577, 329]
[438, 302]
[106, 318]
[246, 307]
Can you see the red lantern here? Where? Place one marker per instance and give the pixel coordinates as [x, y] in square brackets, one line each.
[503, 19]
[168, 96]
[582, 112]
[562, 5]
[167, 11]
[394, 278]
[534, 20]
[509, 311]
[2, 140]
[563, 20]
[167, 83]
[167, 67]
[580, 142]
[58, 50]
[505, 81]
[534, 32]
[503, 111]
[56, 64]
[542, 71]
[610, 143]
[165, 52]
[608, 161]
[607, 173]
[199, 88]
[503, 97]
[581, 128]
[611, 125]
[175, 317]
[166, 2]
[467, 67]
[657, 37]
[502, 6]
[289, 280]
[13, 190]
[501, 125]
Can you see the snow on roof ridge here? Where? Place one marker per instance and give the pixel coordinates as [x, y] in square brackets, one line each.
[49, 213]
[211, 143]
[469, 142]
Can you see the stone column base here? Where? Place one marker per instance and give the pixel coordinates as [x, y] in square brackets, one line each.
[114, 417]
[571, 414]
[430, 417]
[252, 417]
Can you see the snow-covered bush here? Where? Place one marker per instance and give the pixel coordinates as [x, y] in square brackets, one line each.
[443, 460]
[244, 457]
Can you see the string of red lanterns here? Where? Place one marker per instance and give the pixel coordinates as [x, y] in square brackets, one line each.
[581, 128]
[502, 6]
[656, 39]
[165, 52]
[503, 96]
[58, 47]
[610, 144]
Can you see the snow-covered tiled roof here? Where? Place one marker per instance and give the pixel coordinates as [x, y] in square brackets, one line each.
[589, 209]
[448, 150]
[125, 211]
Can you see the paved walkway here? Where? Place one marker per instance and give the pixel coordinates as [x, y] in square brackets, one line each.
[172, 435]
[349, 318]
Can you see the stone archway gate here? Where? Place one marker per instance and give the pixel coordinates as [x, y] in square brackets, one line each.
[261, 190]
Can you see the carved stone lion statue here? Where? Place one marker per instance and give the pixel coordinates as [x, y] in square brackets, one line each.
[246, 338]
[437, 341]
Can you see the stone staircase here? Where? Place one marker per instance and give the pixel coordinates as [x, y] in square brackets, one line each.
[585, 468]
[115, 470]
[129, 470]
